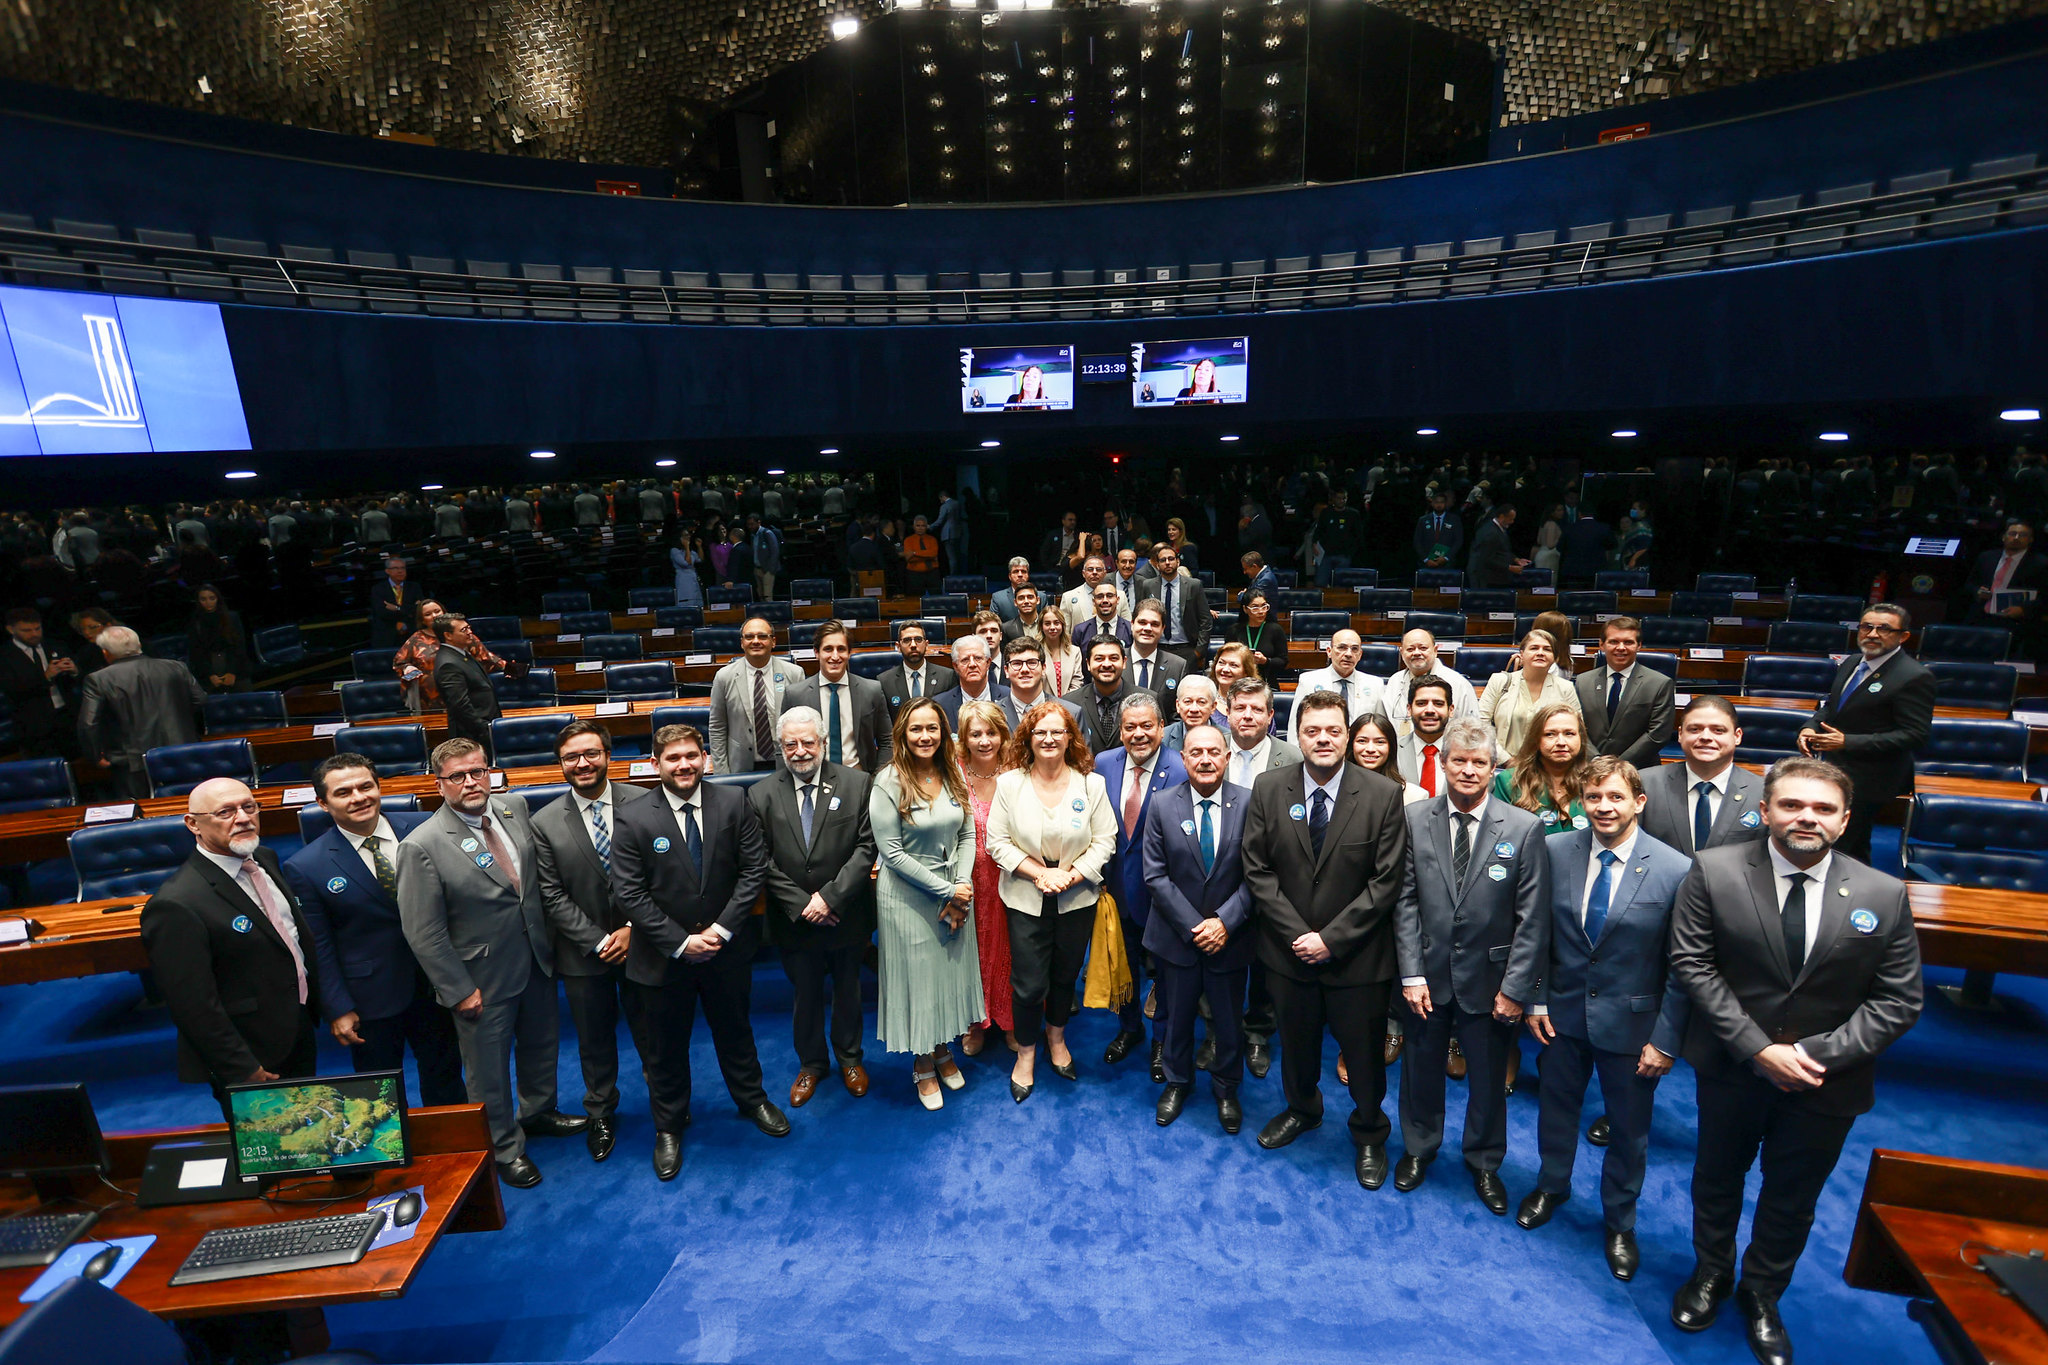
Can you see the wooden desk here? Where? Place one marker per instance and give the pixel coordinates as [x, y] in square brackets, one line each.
[1981, 928]
[452, 1158]
[1916, 1217]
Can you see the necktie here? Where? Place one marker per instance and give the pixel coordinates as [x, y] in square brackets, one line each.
[1344, 691]
[917, 683]
[600, 836]
[1461, 847]
[832, 739]
[1613, 693]
[1428, 774]
[1134, 803]
[1603, 892]
[1208, 836]
[764, 735]
[1794, 915]
[503, 856]
[259, 886]
[1318, 819]
[1145, 673]
[808, 810]
[1168, 604]
[1855, 680]
[694, 837]
[1702, 815]
[387, 876]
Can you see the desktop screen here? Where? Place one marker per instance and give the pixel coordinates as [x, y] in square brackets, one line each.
[294, 1127]
[1182, 374]
[1016, 378]
[101, 374]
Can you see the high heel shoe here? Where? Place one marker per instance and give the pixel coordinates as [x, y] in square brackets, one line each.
[949, 1072]
[1020, 1093]
[936, 1099]
[1069, 1071]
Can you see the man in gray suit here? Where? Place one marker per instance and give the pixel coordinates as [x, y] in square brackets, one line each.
[746, 697]
[853, 715]
[469, 899]
[1627, 705]
[1802, 966]
[1024, 666]
[1472, 931]
[1731, 808]
[133, 705]
[572, 838]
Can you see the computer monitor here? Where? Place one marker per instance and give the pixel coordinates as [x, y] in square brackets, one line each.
[325, 1125]
[47, 1133]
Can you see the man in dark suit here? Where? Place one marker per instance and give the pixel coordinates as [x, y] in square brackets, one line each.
[1106, 617]
[392, 602]
[821, 902]
[854, 717]
[1024, 668]
[465, 688]
[572, 845]
[917, 676]
[228, 944]
[1628, 705]
[1802, 966]
[972, 662]
[1602, 1004]
[1199, 931]
[2014, 567]
[1879, 710]
[1150, 668]
[1324, 845]
[1492, 563]
[469, 898]
[1101, 698]
[686, 869]
[1471, 929]
[1439, 535]
[133, 705]
[1004, 601]
[1059, 546]
[1259, 577]
[372, 992]
[41, 685]
[1183, 607]
[1709, 734]
[1134, 773]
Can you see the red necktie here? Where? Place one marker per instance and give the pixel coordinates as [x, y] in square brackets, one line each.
[1428, 782]
[1134, 803]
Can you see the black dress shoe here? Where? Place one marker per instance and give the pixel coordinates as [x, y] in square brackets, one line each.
[600, 1136]
[1285, 1128]
[1492, 1193]
[1158, 1063]
[1767, 1339]
[1229, 1113]
[1372, 1165]
[554, 1123]
[1409, 1173]
[520, 1173]
[668, 1155]
[1205, 1055]
[1021, 1093]
[1698, 1301]
[1622, 1256]
[768, 1119]
[1600, 1134]
[1171, 1101]
[1537, 1208]
[1258, 1058]
[1122, 1046]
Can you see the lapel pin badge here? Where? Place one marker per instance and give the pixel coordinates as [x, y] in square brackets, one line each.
[1864, 921]
[242, 924]
[338, 885]
[661, 844]
[1297, 811]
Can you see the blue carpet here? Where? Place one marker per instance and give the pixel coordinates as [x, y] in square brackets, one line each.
[1071, 1227]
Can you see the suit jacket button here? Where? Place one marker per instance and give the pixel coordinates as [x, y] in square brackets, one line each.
[1593, 961]
[1592, 995]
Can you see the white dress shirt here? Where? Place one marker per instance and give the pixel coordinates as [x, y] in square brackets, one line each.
[1246, 764]
[1153, 662]
[1362, 694]
[476, 822]
[849, 752]
[1719, 794]
[695, 805]
[1622, 852]
[387, 843]
[1782, 872]
[917, 680]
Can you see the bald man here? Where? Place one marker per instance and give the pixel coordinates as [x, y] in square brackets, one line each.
[1418, 661]
[1360, 691]
[230, 947]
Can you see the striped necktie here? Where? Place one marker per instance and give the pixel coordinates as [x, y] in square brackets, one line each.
[600, 837]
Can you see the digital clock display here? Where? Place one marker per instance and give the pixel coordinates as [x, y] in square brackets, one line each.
[1105, 369]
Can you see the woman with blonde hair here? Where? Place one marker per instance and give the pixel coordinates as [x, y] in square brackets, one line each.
[1231, 663]
[1062, 660]
[1547, 776]
[1514, 696]
[984, 733]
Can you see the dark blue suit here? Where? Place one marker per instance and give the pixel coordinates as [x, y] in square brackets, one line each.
[1182, 897]
[365, 967]
[953, 698]
[1606, 999]
[1124, 875]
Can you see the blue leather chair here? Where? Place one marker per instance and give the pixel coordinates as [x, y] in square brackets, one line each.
[679, 618]
[131, 859]
[1283, 711]
[489, 628]
[715, 639]
[509, 650]
[1381, 600]
[612, 648]
[1820, 607]
[1206, 577]
[1671, 631]
[1479, 663]
[527, 741]
[699, 716]
[229, 713]
[651, 681]
[395, 750]
[1045, 583]
[36, 784]
[560, 603]
[1221, 623]
[1992, 749]
[939, 604]
[1968, 644]
[1315, 625]
[1784, 675]
[1532, 577]
[1621, 580]
[1217, 598]
[1588, 603]
[1667, 664]
[1993, 687]
[810, 589]
[1430, 580]
[774, 613]
[175, 769]
[741, 780]
[1286, 578]
[537, 688]
[1297, 599]
[651, 597]
[1809, 637]
[83, 1320]
[538, 797]
[1702, 604]
[1725, 582]
[1976, 841]
[859, 608]
[1380, 660]
[314, 822]
[381, 700]
[1480, 601]
[804, 634]
[585, 622]
[966, 584]
[1354, 578]
[1769, 733]
[874, 663]
[175, 646]
[279, 646]
[373, 665]
[1444, 625]
[738, 594]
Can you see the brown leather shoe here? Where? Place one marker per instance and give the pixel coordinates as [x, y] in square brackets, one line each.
[856, 1078]
[1392, 1051]
[1343, 1071]
[801, 1089]
[1455, 1067]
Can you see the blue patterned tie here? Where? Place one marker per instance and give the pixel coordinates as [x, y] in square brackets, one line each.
[1319, 819]
[1613, 694]
[600, 837]
[808, 810]
[1603, 892]
[1855, 681]
[832, 723]
[1702, 815]
[1208, 837]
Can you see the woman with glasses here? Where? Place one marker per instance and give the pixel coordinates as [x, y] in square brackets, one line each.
[1258, 633]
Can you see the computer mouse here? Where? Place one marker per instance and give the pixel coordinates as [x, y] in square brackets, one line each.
[102, 1264]
[407, 1210]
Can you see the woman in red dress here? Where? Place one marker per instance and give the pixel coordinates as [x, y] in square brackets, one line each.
[983, 732]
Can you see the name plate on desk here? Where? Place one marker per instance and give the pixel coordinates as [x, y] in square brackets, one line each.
[107, 815]
[497, 781]
[643, 768]
[613, 708]
[590, 665]
[1681, 699]
[13, 932]
[1582, 650]
[1322, 644]
[1544, 592]
[662, 630]
[343, 683]
[639, 611]
[327, 728]
[1642, 592]
[551, 616]
[1702, 652]
[1746, 596]
[1500, 616]
[2025, 666]
[799, 602]
[698, 658]
[870, 592]
[1448, 646]
[1727, 620]
[299, 796]
[1397, 616]
[802, 654]
[568, 637]
[2031, 717]
[1451, 591]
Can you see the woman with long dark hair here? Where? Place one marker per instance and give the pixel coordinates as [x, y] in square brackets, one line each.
[216, 645]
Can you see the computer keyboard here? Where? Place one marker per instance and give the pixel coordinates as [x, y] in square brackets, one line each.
[39, 1238]
[233, 1253]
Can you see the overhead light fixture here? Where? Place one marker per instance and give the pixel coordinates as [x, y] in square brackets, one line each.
[541, 454]
[990, 445]
[241, 473]
[776, 473]
[430, 488]
[1425, 431]
[1834, 435]
[1226, 438]
[2020, 415]
[1623, 434]
[829, 450]
[664, 464]
[845, 28]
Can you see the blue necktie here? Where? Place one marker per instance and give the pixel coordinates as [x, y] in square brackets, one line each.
[1613, 694]
[1208, 837]
[916, 681]
[1855, 680]
[832, 723]
[600, 837]
[1603, 892]
[807, 813]
[1145, 674]
[1319, 819]
[694, 837]
[1702, 815]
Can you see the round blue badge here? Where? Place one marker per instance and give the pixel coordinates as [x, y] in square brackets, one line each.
[1864, 920]
[661, 845]
[1750, 819]
[338, 885]
[1079, 804]
[1297, 811]
[1504, 849]
[242, 924]
[1187, 827]
[484, 860]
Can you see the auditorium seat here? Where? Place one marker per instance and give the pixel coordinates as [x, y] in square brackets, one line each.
[490, 628]
[1992, 687]
[1819, 607]
[1702, 604]
[698, 716]
[1283, 711]
[1968, 644]
[36, 784]
[279, 646]
[1354, 578]
[1221, 623]
[1725, 582]
[874, 663]
[1315, 625]
[128, 859]
[177, 646]
[939, 604]
[537, 688]
[373, 665]
[968, 584]
[857, 608]
[381, 699]
[1206, 577]
[804, 634]
[774, 613]
[315, 822]
[611, 648]
[175, 769]
[1977, 841]
[1432, 580]
[1664, 663]
[715, 640]
[395, 750]
[1592, 603]
[1992, 749]
[511, 650]
[1444, 625]
[1286, 578]
[651, 597]
[540, 796]
[740, 780]
[678, 618]
[230, 713]
[1481, 601]
[652, 681]
[810, 589]
[1810, 637]
[1621, 580]
[585, 622]
[1479, 663]
[1377, 600]
[1380, 661]
[1780, 675]
[1297, 599]
[1673, 631]
[1769, 733]
[1529, 579]
[557, 603]
[1046, 583]
[527, 741]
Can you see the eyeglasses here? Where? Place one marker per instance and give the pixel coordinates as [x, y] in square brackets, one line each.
[466, 776]
[589, 756]
[1048, 734]
[230, 812]
[1872, 628]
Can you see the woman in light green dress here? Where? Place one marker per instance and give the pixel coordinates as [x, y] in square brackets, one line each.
[929, 965]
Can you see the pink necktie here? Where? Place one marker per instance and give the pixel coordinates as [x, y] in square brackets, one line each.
[259, 882]
[496, 843]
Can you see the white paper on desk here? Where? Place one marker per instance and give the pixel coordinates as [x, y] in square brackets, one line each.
[72, 1263]
[1582, 650]
[662, 630]
[590, 665]
[299, 796]
[207, 1174]
[497, 781]
[643, 768]
[104, 815]
[697, 658]
[391, 1234]
[1681, 699]
[1700, 653]
[613, 708]
[2031, 717]
[329, 727]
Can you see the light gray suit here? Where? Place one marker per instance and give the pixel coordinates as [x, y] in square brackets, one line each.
[868, 747]
[1644, 718]
[474, 933]
[732, 712]
[149, 702]
[1668, 818]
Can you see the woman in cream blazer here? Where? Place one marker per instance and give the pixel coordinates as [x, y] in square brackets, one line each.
[1513, 698]
[1051, 830]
